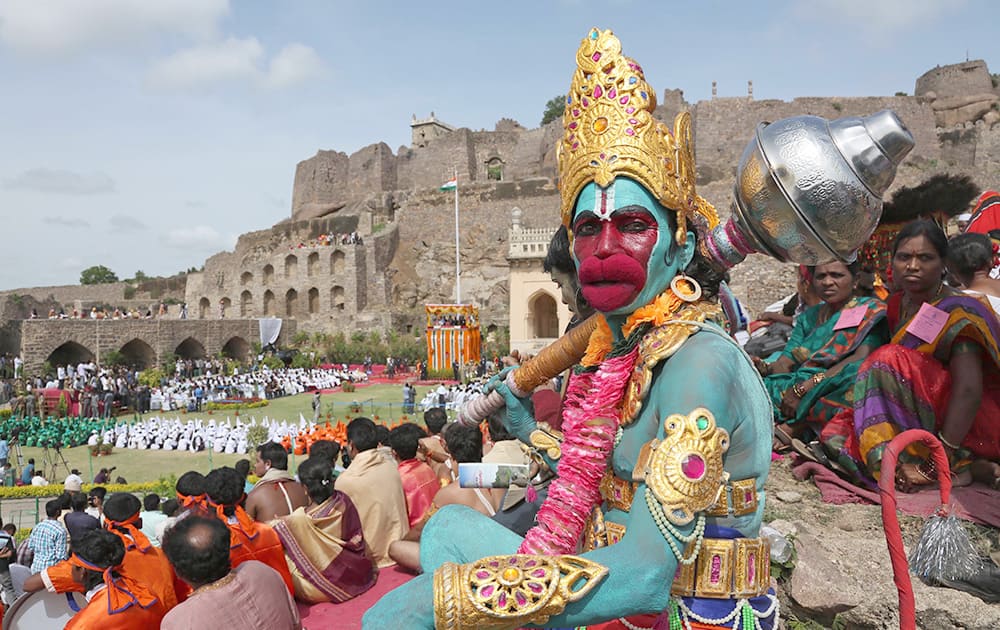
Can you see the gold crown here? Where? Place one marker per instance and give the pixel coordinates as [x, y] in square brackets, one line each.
[609, 130]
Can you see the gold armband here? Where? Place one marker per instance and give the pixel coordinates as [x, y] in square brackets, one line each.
[503, 592]
[684, 470]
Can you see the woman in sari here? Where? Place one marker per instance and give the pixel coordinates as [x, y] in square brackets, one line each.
[971, 258]
[813, 378]
[324, 545]
[941, 372]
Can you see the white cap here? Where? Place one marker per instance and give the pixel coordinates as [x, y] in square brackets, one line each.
[965, 216]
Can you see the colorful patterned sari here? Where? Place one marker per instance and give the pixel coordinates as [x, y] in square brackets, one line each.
[907, 385]
[815, 348]
[325, 550]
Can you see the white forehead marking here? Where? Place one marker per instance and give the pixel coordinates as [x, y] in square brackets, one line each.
[604, 202]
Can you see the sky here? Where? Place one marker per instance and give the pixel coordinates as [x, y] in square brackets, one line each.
[147, 135]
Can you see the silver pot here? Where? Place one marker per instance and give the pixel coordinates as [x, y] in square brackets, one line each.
[810, 190]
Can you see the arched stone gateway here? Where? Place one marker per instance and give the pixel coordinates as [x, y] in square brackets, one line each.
[312, 264]
[246, 278]
[190, 348]
[543, 318]
[204, 305]
[268, 303]
[313, 301]
[291, 265]
[246, 304]
[236, 348]
[291, 303]
[137, 353]
[268, 274]
[69, 352]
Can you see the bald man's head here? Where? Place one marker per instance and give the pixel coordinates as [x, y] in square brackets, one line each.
[198, 547]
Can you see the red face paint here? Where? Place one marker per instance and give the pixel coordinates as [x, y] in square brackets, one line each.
[613, 255]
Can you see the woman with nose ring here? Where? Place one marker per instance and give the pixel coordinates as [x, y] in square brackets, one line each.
[813, 378]
[941, 372]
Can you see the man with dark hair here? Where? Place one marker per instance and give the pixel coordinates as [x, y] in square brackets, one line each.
[328, 451]
[95, 502]
[116, 600]
[78, 522]
[374, 486]
[151, 517]
[249, 597]
[250, 540]
[432, 449]
[384, 449]
[242, 466]
[277, 493]
[143, 562]
[420, 484]
[48, 538]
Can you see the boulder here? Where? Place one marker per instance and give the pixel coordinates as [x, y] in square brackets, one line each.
[958, 110]
[818, 586]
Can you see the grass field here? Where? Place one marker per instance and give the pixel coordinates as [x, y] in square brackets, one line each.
[138, 466]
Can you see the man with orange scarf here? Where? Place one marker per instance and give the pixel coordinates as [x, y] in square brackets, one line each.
[250, 540]
[143, 562]
[115, 600]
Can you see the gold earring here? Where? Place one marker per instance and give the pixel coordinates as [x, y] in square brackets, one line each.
[686, 288]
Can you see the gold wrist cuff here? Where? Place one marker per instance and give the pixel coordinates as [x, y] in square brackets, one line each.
[504, 592]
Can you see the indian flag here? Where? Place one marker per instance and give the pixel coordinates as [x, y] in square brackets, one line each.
[451, 184]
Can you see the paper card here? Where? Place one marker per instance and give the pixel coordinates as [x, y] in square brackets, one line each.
[486, 475]
[928, 323]
[851, 317]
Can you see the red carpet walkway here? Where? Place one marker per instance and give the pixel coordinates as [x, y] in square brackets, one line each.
[347, 616]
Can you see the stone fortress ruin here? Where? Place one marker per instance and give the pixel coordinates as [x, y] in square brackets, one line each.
[370, 238]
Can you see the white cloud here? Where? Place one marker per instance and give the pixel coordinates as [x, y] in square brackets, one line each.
[62, 182]
[295, 63]
[231, 59]
[236, 59]
[883, 17]
[69, 222]
[124, 223]
[56, 27]
[198, 237]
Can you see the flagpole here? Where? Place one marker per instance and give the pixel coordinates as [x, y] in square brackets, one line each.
[458, 268]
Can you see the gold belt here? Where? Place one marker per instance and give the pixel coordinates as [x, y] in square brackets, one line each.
[726, 568]
[738, 498]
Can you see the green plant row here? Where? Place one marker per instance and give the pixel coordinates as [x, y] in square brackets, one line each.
[163, 486]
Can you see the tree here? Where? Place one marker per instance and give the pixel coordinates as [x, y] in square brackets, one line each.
[98, 274]
[554, 108]
[140, 276]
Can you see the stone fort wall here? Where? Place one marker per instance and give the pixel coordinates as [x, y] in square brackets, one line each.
[408, 256]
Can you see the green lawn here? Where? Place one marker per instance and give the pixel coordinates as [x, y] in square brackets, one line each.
[138, 466]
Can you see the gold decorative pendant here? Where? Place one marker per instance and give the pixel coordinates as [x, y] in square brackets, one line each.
[685, 471]
[547, 439]
[660, 344]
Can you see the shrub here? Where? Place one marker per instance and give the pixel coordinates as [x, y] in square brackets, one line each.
[151, 377]
[249, 403]
[347, 387]
[256, 435]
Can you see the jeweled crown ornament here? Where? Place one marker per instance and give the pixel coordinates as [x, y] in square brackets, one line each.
[609, 131]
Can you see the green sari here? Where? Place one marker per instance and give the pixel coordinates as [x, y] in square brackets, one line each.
[814, 348]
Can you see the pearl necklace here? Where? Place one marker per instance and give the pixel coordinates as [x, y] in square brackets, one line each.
[670, 532]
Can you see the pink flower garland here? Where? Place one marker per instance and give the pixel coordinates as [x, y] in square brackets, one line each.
[586, 448]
